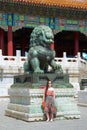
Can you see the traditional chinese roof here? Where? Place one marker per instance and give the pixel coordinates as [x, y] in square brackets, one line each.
[48, 8]
[76, 4]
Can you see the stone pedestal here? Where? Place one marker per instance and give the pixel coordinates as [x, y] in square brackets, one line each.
[25, 104]
[82, 97]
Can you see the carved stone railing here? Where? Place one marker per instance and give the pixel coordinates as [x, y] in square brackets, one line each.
[76, 67]
[14, 64]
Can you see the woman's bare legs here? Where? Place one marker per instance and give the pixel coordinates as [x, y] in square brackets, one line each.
[47, 115]
[51, 117]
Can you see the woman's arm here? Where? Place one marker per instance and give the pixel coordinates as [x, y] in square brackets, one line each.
[54, 95]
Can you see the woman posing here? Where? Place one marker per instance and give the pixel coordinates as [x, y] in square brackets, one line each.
[49, 98]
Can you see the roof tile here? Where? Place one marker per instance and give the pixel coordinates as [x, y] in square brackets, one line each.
[58, 3]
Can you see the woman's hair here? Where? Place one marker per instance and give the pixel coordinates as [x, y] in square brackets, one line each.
[47, 86]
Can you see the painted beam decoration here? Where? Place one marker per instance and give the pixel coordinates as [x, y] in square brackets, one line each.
[73, 25]
[9, 19]
[29, 21]
[58, 24]
[3, 19]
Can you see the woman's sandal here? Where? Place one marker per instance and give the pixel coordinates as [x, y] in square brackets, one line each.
[51, 120]
[47, 120]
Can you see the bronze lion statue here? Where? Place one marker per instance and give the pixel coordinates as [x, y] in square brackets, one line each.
[40, 54]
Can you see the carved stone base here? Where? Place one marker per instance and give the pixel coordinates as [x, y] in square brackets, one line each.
[25, 104]
[23, 112]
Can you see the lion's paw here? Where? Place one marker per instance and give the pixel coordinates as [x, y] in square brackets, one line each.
[38, 71]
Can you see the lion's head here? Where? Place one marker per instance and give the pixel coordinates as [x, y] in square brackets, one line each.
[41, 35]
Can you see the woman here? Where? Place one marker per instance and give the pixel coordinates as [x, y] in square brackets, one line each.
[49, 98]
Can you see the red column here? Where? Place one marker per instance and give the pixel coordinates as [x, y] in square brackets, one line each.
[10, 41]
[2, 40]
[76, 47]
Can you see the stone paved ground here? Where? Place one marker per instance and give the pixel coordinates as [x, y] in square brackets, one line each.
[8, 123]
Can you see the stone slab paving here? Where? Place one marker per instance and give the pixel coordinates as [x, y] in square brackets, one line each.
[8, 123]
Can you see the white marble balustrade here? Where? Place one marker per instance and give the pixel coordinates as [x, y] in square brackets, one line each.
[13, 65]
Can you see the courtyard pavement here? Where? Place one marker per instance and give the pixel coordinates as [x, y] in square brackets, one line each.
[9, 123]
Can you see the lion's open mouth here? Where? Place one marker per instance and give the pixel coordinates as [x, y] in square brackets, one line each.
[49, 38]
[49, 41]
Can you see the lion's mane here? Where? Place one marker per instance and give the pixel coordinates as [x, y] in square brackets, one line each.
[38, 36]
